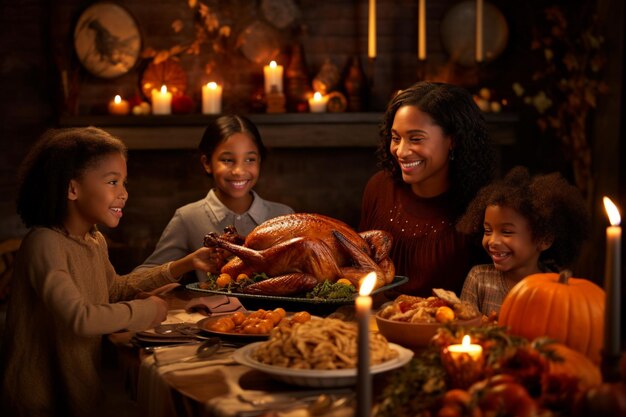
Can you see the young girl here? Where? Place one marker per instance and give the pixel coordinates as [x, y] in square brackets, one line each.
[231, 153]
[529, 225]
[65, 292]
[436, 155]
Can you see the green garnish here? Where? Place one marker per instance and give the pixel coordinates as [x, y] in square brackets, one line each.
[331, 291]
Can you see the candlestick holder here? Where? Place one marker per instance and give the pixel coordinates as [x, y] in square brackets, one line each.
[462, 369]
[275, 101]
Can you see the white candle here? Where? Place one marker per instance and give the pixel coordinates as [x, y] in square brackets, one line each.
[612, 287]
[421, 50]
[273, 77]
[371, 30]
[161, 101]
[363, 306]
[479, 31]
[119, 106]
[211, 98]
[317, 103]
[466, 347]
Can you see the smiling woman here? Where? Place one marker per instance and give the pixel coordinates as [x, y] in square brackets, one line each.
[436, 155]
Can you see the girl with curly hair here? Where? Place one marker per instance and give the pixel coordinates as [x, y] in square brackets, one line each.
[528, 225]
[66, 294]
[436, 155]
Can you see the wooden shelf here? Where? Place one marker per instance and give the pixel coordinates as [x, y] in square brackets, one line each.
[288, 130]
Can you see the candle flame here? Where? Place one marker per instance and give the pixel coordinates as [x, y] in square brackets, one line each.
[273, 64]
[212, 85]
[317, 96]
[117, 99]
[368, 283]
[163, 89]
[612, 212]
[466, 341]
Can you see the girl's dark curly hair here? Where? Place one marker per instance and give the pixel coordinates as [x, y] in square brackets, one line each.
[59, 156]
[454, 110]
[554, 209]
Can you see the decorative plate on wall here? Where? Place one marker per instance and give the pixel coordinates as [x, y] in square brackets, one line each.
[107, 40]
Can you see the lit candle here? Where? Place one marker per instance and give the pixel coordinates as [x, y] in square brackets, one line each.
[119, 106]
[612, 287]
[466, 348]
[273, 77]
[363, 305]
[371, 30]
[317, 103]
[421, 50]
[161, 101]
[479, 30]
[211, 98]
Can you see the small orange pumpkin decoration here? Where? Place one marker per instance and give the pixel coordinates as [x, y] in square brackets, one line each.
[569, 310]
[574, 364]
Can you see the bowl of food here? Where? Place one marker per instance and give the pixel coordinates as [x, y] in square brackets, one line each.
[413, 321]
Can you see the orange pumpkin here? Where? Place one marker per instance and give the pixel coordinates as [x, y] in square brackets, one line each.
[574, 364]
[568, 310]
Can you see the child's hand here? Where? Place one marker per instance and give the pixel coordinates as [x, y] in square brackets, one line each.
[161, 313]
[209, 259]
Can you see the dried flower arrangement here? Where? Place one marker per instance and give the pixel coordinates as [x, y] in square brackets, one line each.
[565, 88]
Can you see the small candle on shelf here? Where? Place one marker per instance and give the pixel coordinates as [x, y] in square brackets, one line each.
[421, 49]
[363, 306]
[211, 98]
[161, 101]
[273, 74]
[317, 103]
[118, 106]
[479, 31]
[612, 287]
[371, 30]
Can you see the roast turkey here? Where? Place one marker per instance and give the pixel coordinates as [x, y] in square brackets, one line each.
[297, 251]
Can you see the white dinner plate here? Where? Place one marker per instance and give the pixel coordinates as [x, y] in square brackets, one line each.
[316, 377]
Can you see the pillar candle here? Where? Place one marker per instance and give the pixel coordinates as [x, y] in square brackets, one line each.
[118, 106]
[363, 306]
[211, 98]
[473, 351]
[421, 50]
[612, 287]
[479, 31]
[317, 103]
[273, 76]
[161, 101]
[371, 30]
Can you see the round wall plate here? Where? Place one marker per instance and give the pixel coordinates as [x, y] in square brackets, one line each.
[107, 40]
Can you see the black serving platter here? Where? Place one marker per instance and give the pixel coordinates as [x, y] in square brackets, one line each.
[312, 305]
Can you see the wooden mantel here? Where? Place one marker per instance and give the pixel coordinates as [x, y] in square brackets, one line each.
[289, 130]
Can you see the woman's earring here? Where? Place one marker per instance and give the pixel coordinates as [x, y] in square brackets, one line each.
[451, 154]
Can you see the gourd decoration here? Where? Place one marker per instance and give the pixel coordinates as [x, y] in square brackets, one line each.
[568, 310]
[573, 364]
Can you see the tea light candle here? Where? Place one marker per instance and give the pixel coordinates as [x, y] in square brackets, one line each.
[363, 306]
[211, 98]
[118, 106]
[273, 76]
[466, 347]
[161, 101]
[612, 287]
[317, 103]
[371, 30]
[479, 31]
[421, 50]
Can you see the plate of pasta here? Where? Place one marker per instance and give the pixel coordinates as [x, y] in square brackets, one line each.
[319, 353]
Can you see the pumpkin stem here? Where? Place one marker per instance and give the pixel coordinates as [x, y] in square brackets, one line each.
[564, 276]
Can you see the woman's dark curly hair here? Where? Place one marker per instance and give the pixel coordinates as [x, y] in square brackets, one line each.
[554, 209]
[224, 127]
[453, 109]
[59, 156]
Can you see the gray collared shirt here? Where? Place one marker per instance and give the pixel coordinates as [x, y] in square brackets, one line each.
[185, 232]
